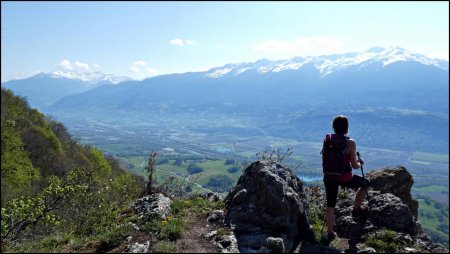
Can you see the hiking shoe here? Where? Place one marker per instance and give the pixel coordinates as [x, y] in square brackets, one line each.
[326, 239]
[361, 211]
[331, 237]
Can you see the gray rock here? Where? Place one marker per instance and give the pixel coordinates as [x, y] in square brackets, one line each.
[212, 196]
[275, 244]
[348, 228]
[387, 210]
[215, 216]
[138, 248]
[211, 235]
[397, 181]
[418, 228]
[225, 243]
[367, 250]
[267, 203]
[410, 250]
[240, 196]
[134, 226]
[438, 248]
[153, 205]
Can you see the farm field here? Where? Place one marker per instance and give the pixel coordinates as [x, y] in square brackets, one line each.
[135, 142]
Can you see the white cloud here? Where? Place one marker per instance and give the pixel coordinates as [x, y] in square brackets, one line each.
[96, 65]
[140, 63]
[72, 66]
[65, 64]
[177, 41]
[140, 67]
[134, 69]
[83, 66]
[181, 42]
[303, 46]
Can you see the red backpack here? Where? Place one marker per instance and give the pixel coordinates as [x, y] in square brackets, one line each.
[334, 159]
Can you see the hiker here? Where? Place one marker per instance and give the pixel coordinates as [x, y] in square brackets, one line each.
[338, 158]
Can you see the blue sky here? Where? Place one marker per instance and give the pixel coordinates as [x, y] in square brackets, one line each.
[142, 39]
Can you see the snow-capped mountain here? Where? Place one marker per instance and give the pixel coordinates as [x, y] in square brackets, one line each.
[91, 78]
[330, 63]
[44, 89]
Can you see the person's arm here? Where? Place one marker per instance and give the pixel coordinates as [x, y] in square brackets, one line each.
[352, 151]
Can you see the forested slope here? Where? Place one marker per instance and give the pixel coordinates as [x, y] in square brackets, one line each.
[51, 185]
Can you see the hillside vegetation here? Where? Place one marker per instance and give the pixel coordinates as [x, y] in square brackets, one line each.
[51, 185]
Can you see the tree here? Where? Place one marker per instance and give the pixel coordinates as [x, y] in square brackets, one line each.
[151, 172]
[194, 169]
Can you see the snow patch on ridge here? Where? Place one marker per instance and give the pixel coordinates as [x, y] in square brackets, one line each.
[331, 63]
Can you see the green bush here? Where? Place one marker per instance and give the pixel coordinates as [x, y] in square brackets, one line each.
[229, 162]
[384, 241]
[166, 229]
[194, 169]
[233, 169]
[197, 205]
[114, 237]
[166, 247]
[220, 183]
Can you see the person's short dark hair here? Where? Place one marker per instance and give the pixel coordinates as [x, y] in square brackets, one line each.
[340, 124]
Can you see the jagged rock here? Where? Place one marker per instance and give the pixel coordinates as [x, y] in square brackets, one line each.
[275, 244]
[225, 243]
[212, 196]
[390, 206]
[387, 210]
[367, 250]
[215, 216]
[267, 209]
[153, 205]
[437, 248]
[404, 238]
[423, 241]
[397, 181]
[410, 250]
[138, 248]
[348, 228]
[134, 226]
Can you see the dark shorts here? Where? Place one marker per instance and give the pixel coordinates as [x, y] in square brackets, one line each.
[332, 186]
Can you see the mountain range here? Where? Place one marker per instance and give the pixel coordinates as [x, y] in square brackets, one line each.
[390, 88]
[44, 89]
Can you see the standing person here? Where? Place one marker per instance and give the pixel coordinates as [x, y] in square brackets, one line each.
[338, 159]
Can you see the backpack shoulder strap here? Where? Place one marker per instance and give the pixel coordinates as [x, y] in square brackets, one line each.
[326, 140]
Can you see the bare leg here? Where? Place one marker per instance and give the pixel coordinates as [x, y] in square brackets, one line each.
[329, 217]
[360, 195]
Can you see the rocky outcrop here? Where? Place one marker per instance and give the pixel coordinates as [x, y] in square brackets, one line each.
[267, 210]
[388, 211]
[397, 181]
[155, 205]
[385, 211]
[390, 207]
